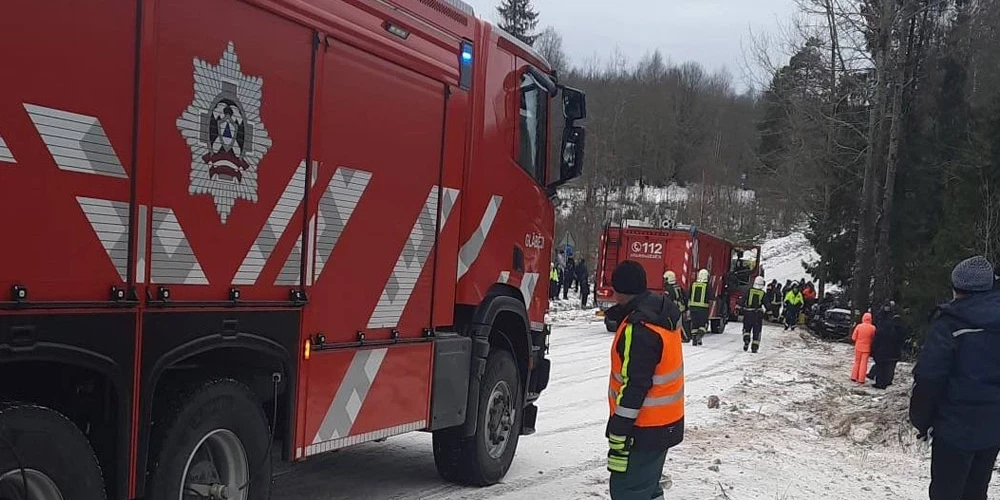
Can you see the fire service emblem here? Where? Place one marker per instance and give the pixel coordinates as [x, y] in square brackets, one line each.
[223, 128]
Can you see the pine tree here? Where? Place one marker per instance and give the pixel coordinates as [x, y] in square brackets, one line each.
[518, 18]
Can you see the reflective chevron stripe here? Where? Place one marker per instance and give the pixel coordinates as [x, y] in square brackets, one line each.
[471, 249]
[346, 405]
[398, 289]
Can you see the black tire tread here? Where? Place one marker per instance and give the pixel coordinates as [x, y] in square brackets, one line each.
[70, 427]
[176, 402]
[456, 456]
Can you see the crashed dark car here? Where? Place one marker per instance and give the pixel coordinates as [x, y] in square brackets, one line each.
[833, 324]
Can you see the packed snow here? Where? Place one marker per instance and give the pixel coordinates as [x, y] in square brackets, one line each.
[783, 257]
[790, 425]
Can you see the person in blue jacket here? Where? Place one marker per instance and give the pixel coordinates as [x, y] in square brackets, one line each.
[956, 392]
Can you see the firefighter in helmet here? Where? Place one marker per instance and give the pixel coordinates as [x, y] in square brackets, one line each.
[673, 291]
[699, 304]
[753, 314]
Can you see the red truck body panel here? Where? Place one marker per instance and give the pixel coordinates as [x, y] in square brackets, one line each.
[167, 150]
[684, 252]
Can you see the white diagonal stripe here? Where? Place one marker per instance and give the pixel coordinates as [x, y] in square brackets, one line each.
[335, 210]
[351, 395]
[528, 284]
[412, 258]
[77, 143]
[172, 260]
[274, 227]
[110, 221]
[5, 154]
[470, 250]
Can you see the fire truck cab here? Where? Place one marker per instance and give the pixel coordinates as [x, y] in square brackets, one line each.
[238, 227]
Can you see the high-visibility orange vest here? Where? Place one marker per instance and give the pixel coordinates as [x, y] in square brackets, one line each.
[664, 404]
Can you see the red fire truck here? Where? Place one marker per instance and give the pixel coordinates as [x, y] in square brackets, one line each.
[238, 226]
[732, 267]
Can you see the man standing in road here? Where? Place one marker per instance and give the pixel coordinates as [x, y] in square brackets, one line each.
[646, 387]
[956, 392]
[793, 304]
[753, 315]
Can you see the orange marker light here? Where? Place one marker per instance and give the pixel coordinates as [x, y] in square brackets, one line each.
[307, 349]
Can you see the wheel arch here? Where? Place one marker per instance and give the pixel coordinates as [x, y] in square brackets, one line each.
[246, 357]
[89, 388]
[500, 321]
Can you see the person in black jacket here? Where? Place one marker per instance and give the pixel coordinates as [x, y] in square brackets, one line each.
[647, 351]
[956, 392]
[583, 282]
[887, 349]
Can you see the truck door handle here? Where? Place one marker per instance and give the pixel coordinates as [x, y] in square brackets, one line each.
[518, 259]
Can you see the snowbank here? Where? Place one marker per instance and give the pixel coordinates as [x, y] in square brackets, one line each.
[783, 257]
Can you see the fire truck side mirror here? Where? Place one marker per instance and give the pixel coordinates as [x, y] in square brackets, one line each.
[573, 145]
[574, 104]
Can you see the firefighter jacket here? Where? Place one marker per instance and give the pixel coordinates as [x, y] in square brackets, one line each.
[701, 296]
[676, 294]
[956, 387]
[646, 386]
[794, 298]
[753, 300]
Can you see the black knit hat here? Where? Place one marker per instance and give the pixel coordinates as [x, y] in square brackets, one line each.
[629, 278]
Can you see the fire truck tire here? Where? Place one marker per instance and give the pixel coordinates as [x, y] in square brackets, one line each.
[483, 459]
[49, 452]
[224, 418]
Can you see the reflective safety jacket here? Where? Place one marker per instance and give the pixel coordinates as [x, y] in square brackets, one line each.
[701, 295]
[554, 275]
[754, 299]
[675, 293]
[793, 298]
[646, 385]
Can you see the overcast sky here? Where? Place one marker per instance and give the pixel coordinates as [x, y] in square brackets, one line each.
[711, 32]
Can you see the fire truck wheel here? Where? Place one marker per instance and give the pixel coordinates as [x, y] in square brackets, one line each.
[212, 444]
[483, 459]
[44, 456]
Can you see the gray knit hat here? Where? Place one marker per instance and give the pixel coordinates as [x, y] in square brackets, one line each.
[973, 275]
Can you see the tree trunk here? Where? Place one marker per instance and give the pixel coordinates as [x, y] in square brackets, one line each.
[864, 251]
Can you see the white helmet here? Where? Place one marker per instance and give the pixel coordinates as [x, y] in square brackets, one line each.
[759, 283]
[703, 276]
[670, 277]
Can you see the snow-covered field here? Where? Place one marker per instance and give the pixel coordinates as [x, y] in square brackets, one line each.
[783, 257]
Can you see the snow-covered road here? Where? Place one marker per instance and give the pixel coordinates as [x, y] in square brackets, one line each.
[564, 459]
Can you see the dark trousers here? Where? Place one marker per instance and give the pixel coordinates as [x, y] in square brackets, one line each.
[565, 286]
[960, 475]
[641, 480]
[885, 372]
[584, 294]
[753, 322]
[791, 316]
[553, 289]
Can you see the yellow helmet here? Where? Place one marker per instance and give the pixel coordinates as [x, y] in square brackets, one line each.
[703, 276]
[670, 277]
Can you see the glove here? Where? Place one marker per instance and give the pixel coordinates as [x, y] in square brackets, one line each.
[618, 452]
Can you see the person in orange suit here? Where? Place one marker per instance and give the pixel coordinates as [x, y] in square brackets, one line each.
[863, 336]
